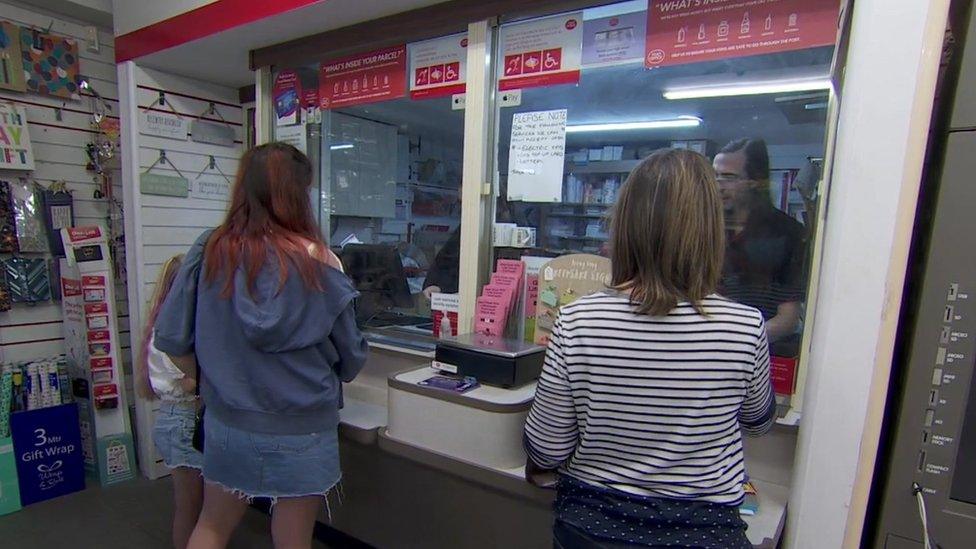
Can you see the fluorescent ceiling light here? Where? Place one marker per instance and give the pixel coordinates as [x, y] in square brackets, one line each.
[341, 146]
[750, 88]
[680, 122]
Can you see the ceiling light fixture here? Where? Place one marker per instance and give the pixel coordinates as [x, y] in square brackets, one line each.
[341, 146]
[679, 122]
[750, 88]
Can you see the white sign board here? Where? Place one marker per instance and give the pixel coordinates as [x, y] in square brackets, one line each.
[212, 187]
[163, 124]
[295, 136]
[15, 144]
[437, 67]
[536, 156]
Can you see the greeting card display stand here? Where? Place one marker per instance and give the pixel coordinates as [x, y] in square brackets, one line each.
[93, 346]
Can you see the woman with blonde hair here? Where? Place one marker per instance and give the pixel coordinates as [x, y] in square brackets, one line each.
[647, 386]
[157, 377]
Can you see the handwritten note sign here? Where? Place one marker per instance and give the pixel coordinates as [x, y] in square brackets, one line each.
[536, 156]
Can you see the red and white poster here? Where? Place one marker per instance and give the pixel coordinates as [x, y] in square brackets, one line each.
[437, 67]
[542, 52]
[689, 31]
[363, 78]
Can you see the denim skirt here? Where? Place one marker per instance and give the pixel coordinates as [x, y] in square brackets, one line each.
[173, 434]
[261, 465]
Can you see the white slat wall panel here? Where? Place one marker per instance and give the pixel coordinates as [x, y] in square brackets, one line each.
[28, 332]
[167, 226]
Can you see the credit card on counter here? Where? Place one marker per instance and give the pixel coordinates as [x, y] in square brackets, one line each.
[457, 385]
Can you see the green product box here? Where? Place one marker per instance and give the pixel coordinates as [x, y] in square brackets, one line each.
[9, 488]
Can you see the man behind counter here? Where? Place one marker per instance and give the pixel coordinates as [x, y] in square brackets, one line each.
[766, 248]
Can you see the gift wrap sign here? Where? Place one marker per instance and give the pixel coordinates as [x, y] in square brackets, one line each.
[47, 444]
[15, 144]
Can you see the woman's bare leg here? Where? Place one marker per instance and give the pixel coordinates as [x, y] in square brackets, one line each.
[293, 521]
[222, 511]
[187, 502]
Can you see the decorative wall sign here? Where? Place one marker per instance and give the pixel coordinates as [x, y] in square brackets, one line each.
[164, 185]
[163, 124]
[11, 59]
[15, 144]
[50, 63]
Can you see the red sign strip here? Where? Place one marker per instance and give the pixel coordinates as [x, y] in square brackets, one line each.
[687, 31]
[206, 20]
[368, 77]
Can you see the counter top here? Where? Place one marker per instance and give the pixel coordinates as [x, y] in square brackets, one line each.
[769, 459]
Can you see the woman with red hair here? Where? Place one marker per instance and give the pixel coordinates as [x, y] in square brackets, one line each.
[262, 305]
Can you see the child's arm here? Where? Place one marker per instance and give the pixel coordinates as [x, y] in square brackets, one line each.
[759, 409]
[186, 364]
[551, 432]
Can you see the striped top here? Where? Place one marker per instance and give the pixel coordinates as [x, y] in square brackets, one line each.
[652, 406]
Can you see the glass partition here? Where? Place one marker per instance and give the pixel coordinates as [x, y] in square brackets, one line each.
[761, 120]
[387, 196]
[391, 182]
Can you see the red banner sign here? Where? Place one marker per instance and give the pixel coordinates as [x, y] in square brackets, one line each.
[689, 31]
[541, 52]
[782, 370]
[83, 233]
[365, 78]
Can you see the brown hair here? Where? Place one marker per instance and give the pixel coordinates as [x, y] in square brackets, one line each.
[270, 211]
[667, 240]
[163, 285]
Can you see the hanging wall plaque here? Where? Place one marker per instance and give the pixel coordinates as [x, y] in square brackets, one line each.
[50, 63]
[164, 185]
[15, 144]
[11, 67]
